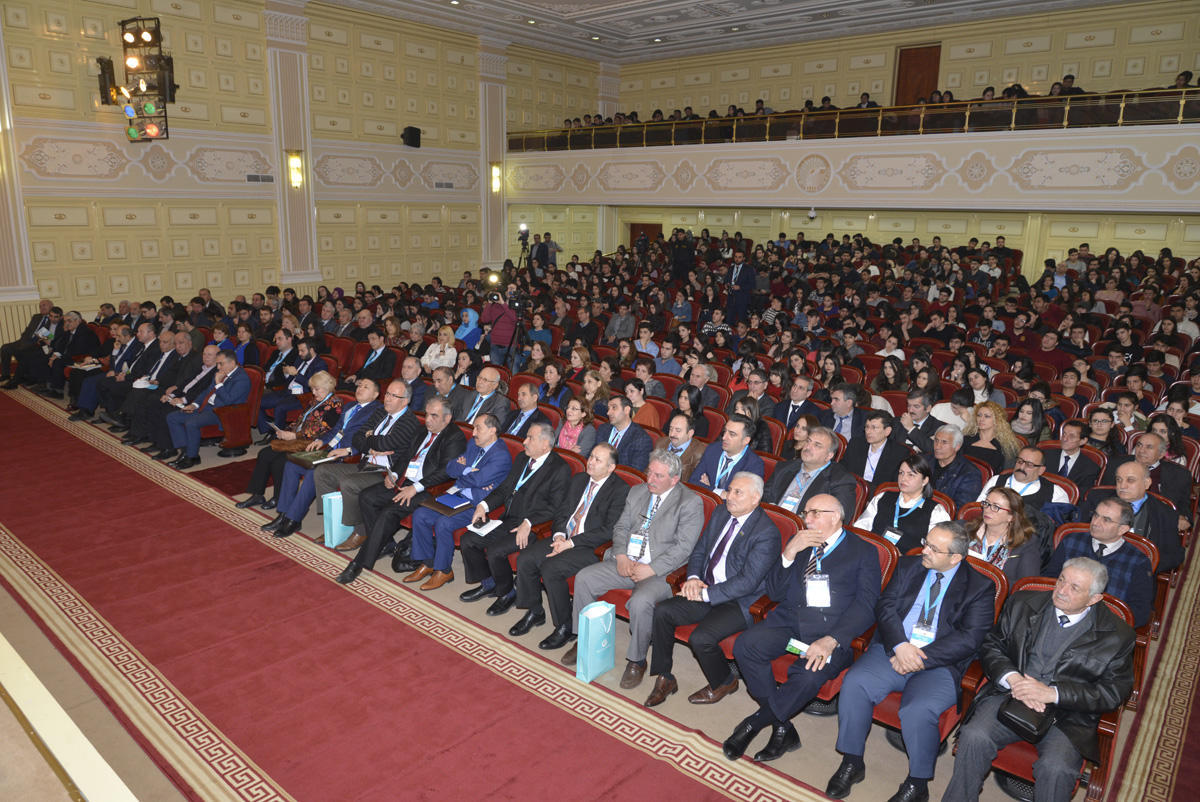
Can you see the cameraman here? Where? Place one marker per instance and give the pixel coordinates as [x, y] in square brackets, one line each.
[503, 330]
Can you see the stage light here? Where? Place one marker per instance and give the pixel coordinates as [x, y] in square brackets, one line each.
[152, 130]
[147, 37]
[125, 92]
[129, 112]
[129, 37]
[141, 84]
[149, 108]
[131, 132]
[133, 62]
[295, 163]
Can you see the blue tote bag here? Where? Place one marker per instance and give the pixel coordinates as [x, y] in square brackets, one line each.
[331, 510]
[595, 650]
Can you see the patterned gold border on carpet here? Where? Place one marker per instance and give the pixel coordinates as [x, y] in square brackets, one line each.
[208, 761]
[1153, 759]
[689, 751]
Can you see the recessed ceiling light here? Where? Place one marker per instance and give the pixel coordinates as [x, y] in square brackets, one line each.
[453, 2]
[657, 39]
[532, 22]
[595, 38]
[735, 29]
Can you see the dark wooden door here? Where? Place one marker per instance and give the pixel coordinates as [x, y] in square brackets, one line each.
[652, 231]
[916, 73]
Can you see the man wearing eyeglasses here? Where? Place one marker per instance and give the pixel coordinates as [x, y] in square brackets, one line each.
[1025, 480]
[930, 621]
[1153, 518]
[756, 384]
[487, 397]
[825, 584]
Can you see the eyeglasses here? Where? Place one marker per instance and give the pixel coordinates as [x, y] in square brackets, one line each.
[987, 505]
[808, 513]
[925, 545]
[1028, 464]
[397, 396]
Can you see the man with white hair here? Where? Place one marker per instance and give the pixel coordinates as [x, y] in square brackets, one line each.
[726, 574]
[1063, 648]
[953, 474]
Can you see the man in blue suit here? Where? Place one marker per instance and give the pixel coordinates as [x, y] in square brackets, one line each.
[727, 456]
[826, 584]
[298, 488]
[230, 386]
[478, 472]
[931, 619]
[797, 403]
[632, 443]
[284, 394]
[726, 574]
[742, 283]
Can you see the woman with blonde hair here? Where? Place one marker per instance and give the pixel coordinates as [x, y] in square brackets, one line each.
[990, 438]
[442, 353]
[1004, 536]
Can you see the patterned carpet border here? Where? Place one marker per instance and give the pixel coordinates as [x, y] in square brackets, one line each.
[1153, 755]
[689, 751]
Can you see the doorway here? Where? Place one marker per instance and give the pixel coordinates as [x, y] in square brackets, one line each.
[651, 230]
[916, 73]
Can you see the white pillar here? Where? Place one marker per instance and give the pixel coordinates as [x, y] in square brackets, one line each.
[493, 124]
[16, 266]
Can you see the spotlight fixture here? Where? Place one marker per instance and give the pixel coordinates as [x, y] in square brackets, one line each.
[133, 62]
[129, 37]
[108, 82]
[149, 80]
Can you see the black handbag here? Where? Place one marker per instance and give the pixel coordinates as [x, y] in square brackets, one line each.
[1023, 720]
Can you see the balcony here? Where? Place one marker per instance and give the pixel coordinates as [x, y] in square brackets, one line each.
[1117, 109]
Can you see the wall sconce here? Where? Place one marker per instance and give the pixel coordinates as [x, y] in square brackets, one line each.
[495, 177]
[295, 164]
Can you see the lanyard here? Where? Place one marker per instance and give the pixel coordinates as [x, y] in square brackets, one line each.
[309, 411]
[371, 358]
[874, 465]
[1022, 492]
[386, 425]
[723, 472]
[525, 474]
[928, 612]
[829, 549]
[275, 364]
[989, 550]
[479, 456]
[428, 444]
[800, 488]
[896, 516]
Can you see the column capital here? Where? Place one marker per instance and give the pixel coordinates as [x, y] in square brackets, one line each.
[608, 83]
[286, 28]
[493, 60]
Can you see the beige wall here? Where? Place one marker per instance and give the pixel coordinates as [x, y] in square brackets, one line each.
[1125, 46]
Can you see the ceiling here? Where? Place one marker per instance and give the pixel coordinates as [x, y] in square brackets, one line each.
[624, 31]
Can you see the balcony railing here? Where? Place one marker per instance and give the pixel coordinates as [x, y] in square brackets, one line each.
[1155, 107]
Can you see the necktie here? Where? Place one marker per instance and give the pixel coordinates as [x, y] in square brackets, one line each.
[791, 421]
[646, 525]
[817, 553]
[1099, 550]
[581, 510]
[1063, 620]
[934, 589]
[516, 427]
[275, 364]
[475, 409]
[676, 450]
[161, 360]
[719, 552]
[841, 427]
[614, 437]
[370, 358]
[1066, 466]
[386, 425]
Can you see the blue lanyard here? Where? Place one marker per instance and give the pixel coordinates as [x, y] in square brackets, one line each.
[800, 488]
[275, 364]
[309, 411]
[841, 536]
[480, 456]
[723, 472]
[896, 516]
[525, 474]
[1020, 492]
[925, 608]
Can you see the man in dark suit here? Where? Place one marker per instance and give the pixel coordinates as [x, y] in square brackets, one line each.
[190, 387]
[681, 441]
[410, 372]
[378, 365]
[1063, 648]
[742, 282]
[43, 320]
[727, 456]
[813, 473]
[74, 339]
[631, 441]
[290, 381]
[657, 530]
[1130, 576]
[526, 414]
[917, 426]
[1169, 479]
[726, 574]
[1069, 460]
[875, 456]
[954, 474]
[797, 403]
[486, 398]
[1152, 519]
[413, 470]
[842, 416]
[530, 494]
[153, 363]
[81, 390]
[826, 584]
[388, 431]
[297, 492]
[230, 386]
[584, 521]
[454, 394]
[169, 379]
[481, 468]
[930, 620]
[756, 383]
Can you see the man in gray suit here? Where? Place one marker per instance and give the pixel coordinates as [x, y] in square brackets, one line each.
[655, 534]
[486, 397]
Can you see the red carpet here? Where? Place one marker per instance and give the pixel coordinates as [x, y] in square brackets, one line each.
[327, 695]
[230, 478]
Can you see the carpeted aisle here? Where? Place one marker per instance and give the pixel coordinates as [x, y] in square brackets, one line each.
[204, 637]
[232, 477]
